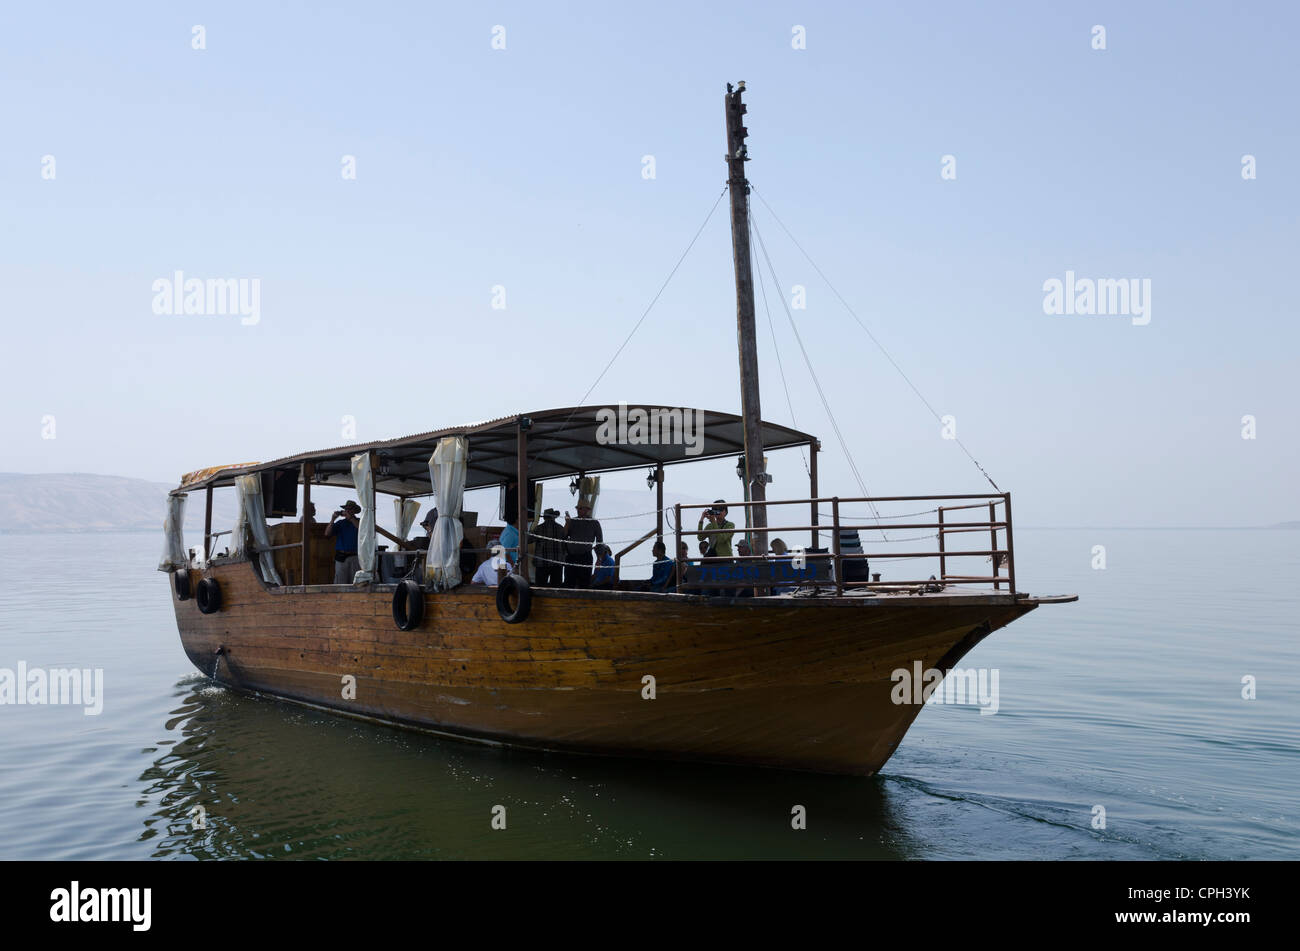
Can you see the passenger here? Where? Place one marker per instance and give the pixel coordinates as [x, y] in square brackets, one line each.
[509, 539]
[782, 562]
[744, 551]
[661, 575]
[468, 558]
[580, 532]
[487, 573]
[604, 576]
[550, 550]
[706, 551]
[430, 520]
[682, 563]
[343, 529]
[720, 541]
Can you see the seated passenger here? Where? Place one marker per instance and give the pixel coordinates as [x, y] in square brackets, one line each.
[468, 558]
[603, 577]
[782, 562]
[744, 551]
[488, 572]
[706, 551]
[661, 576]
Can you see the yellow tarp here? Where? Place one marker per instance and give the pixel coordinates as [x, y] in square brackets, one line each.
[198, 475]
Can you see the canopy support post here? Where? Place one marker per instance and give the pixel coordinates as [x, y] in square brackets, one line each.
[308, 470]
[813, 446]
[521, 496]
[207, 526]
[659, 502]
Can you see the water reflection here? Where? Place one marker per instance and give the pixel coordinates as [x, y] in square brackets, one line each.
[273, 780]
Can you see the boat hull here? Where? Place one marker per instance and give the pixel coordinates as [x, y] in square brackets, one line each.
[777, 682]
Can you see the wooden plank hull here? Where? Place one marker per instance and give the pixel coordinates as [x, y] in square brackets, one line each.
[796, 684]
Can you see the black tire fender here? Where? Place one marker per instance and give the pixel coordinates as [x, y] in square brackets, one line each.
[408, 605]
[181, 584]
[208, 596]
[514, 587]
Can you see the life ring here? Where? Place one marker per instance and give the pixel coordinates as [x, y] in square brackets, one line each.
[208, 596]
[181, 584]
[408, 605]
[514, 587]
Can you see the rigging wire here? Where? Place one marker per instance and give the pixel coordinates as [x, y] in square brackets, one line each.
[844, 446]
[878, 344]
[650, 306]
[762, 286]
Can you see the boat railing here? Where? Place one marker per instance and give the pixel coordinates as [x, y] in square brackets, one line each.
[618, 555]
[950, 556]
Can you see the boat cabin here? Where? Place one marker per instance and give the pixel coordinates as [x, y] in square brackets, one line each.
[820, 545]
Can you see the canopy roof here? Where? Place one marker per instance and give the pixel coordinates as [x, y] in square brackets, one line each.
[560, 442]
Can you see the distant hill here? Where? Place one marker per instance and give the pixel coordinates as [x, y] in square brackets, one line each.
[1287, 525]
[82, 502]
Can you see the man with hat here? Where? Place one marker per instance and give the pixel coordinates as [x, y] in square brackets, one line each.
[430, 519]
[343, 529]
[548, 555]
[582, 534]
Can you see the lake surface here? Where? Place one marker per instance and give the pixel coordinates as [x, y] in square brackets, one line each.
[1130, 699]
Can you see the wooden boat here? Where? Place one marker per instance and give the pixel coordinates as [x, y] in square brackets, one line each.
[726, 669]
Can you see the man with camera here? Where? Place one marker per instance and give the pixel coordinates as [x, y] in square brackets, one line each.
[343, 529]
[719, 542]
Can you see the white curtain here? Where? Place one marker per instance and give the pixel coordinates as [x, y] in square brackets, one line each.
[173, 555]
[241, 519]
[447, 468]
[406, 509]
[254, 515]
[363, 481]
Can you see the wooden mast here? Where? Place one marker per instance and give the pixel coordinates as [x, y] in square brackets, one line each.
[751, 410]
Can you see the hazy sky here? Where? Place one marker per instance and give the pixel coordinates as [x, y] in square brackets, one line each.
[525, 168]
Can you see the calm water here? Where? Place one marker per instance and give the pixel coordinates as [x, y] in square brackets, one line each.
[1129, 699]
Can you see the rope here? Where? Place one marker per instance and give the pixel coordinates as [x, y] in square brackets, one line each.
[653, 301]
[881, 346]
[813, 373]
[762, 286]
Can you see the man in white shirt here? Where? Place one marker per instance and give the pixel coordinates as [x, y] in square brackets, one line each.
[486, 574]
[489, 573]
